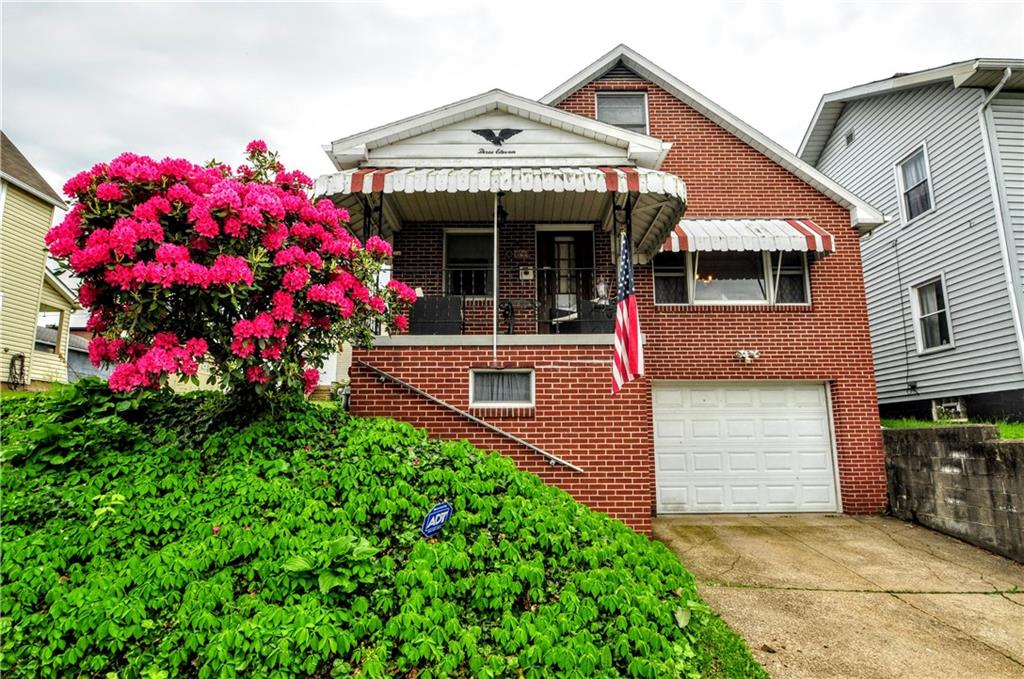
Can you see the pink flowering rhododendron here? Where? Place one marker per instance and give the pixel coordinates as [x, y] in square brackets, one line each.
[241, 271]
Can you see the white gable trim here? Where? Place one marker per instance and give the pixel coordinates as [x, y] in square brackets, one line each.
[862, 215]
[349, 152]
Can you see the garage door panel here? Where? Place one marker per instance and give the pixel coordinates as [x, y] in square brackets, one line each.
[742, 462]
[743, 448]
[773, 398]
[738, 398]
[708, 462]
[705, 429]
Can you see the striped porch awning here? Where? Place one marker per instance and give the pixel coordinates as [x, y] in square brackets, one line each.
[725, 235]
[369, 180]
[566, 195]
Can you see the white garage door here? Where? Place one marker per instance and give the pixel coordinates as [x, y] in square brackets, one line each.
[738, 447]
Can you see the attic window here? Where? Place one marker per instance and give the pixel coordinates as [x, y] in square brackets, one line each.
[627, 110]
[849, 137]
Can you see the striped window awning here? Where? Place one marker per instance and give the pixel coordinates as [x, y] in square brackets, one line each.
[725, 235]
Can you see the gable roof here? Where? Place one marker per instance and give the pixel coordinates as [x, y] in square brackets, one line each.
[862, 215]
[986, 73]
[51, 278]
[15, 168]
[349, 152]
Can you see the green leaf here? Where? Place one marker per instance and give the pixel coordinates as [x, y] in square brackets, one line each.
[682, 617]
[297, 564]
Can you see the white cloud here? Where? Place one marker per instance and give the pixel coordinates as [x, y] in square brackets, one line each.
[82, 82]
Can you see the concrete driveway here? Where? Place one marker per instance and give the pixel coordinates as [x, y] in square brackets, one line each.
[819, 595]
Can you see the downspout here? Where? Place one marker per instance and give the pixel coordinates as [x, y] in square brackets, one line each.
[998, 201]
[997, 89]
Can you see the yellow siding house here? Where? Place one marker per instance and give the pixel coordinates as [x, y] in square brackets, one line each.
[35, 305]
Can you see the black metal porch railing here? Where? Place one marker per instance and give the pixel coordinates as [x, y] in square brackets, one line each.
[457, 301]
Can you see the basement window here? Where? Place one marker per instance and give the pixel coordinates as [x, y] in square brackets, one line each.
[501, 388]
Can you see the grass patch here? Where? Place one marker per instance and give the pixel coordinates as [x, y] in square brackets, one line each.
[1007, 430]
[158, 535]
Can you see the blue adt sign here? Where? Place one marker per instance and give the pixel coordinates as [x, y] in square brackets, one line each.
[436, 519]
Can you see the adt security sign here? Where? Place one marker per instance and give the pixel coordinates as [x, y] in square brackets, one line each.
[436, 519]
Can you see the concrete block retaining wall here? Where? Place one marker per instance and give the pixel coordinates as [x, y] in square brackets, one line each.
[962, 481]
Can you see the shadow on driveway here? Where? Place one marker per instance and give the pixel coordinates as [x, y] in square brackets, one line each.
[823, 595]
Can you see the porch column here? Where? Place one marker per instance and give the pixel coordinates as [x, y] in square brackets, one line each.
[494, 288]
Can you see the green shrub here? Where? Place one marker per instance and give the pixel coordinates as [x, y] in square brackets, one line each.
[146, 535]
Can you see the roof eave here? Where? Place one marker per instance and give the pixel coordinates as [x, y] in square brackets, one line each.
[57, 203]
[862, 216]
[349, 152]
[959, 73]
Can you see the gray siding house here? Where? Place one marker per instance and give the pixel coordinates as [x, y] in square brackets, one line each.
[941, 153]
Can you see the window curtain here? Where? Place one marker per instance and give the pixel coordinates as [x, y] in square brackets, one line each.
[501, 387]
[913, 171]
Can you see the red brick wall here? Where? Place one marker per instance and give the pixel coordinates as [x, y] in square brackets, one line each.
[612, 438]
[575, 418]
[830, 341]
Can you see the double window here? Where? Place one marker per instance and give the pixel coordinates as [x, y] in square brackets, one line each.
[511, 388]
[931, 316]
[627, 110]
[915, 185]
[731, 278]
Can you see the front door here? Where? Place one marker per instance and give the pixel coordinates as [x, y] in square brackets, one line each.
[565, 261]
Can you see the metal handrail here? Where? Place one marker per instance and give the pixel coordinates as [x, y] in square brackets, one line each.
[552, 459]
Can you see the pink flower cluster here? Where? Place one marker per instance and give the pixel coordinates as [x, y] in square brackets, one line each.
[168, 249]
[143, 365]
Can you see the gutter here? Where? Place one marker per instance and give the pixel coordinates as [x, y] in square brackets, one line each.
[385, 377]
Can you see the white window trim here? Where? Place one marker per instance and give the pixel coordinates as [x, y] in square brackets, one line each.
[901, 189]
[647, 108]
[504, 404]
[444, 254]
[769, 280]
[915, 308]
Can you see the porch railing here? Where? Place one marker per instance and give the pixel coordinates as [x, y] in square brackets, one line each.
[531, 300]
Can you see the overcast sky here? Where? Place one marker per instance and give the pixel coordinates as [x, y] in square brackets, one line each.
[83, 82]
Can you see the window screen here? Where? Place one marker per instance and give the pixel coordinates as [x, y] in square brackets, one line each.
[791, 286]
[501, 387]
[469, 259]
[670, 278]
[625, 110]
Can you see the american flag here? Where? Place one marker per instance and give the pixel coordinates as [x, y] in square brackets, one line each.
[629, 352]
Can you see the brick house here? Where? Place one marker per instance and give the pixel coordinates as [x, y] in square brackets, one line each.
[759, 393]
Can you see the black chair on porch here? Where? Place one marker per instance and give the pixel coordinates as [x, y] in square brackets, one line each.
[441, 315]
